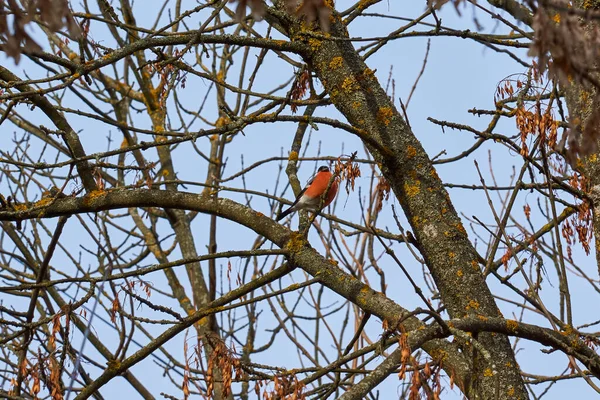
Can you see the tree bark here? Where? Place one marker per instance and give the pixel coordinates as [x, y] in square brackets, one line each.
[449, 255]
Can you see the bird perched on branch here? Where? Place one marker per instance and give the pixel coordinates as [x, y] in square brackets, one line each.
[313, 196]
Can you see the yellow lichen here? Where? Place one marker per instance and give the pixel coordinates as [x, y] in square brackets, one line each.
[411, 151]
[336, 62]
[556, 18]
[461, 228]
[439, 355]
[475, 264]
[43, 202]
[89, 198]
[412, 189]
[265, 116]
[459, 273]
[349, 84]
[452, 254]
[19, 207]
[355, 104]
[511, 391]
[473, 304]
[296, 242]
[512, 325]
[384, 115]
[488, 372]
[293, 156]
[222, 121]
[584, 96]
[567, 330]
[314, 44]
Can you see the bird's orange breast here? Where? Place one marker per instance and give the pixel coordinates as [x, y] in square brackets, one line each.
[319, 186]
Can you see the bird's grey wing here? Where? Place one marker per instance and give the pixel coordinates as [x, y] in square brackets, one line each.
[299, 196]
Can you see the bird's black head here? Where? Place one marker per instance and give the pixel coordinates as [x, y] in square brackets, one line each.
[324, 168]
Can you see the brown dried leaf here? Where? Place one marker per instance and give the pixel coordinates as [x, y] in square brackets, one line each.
[115, 308]
[312, 10]
[567, 46]
[55, 383]
[347, 171]
[382, 192]
[55, 14]
[505, 259]
[257, 8]
[315, 10]
[299, 88]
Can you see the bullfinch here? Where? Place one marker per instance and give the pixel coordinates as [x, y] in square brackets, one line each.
[313, 196]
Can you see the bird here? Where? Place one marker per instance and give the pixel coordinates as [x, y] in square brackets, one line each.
[313, 197]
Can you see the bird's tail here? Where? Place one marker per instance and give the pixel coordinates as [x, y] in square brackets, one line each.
[284, 214]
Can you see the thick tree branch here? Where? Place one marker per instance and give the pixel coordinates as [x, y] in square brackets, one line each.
[450, 256]
[300, 251]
